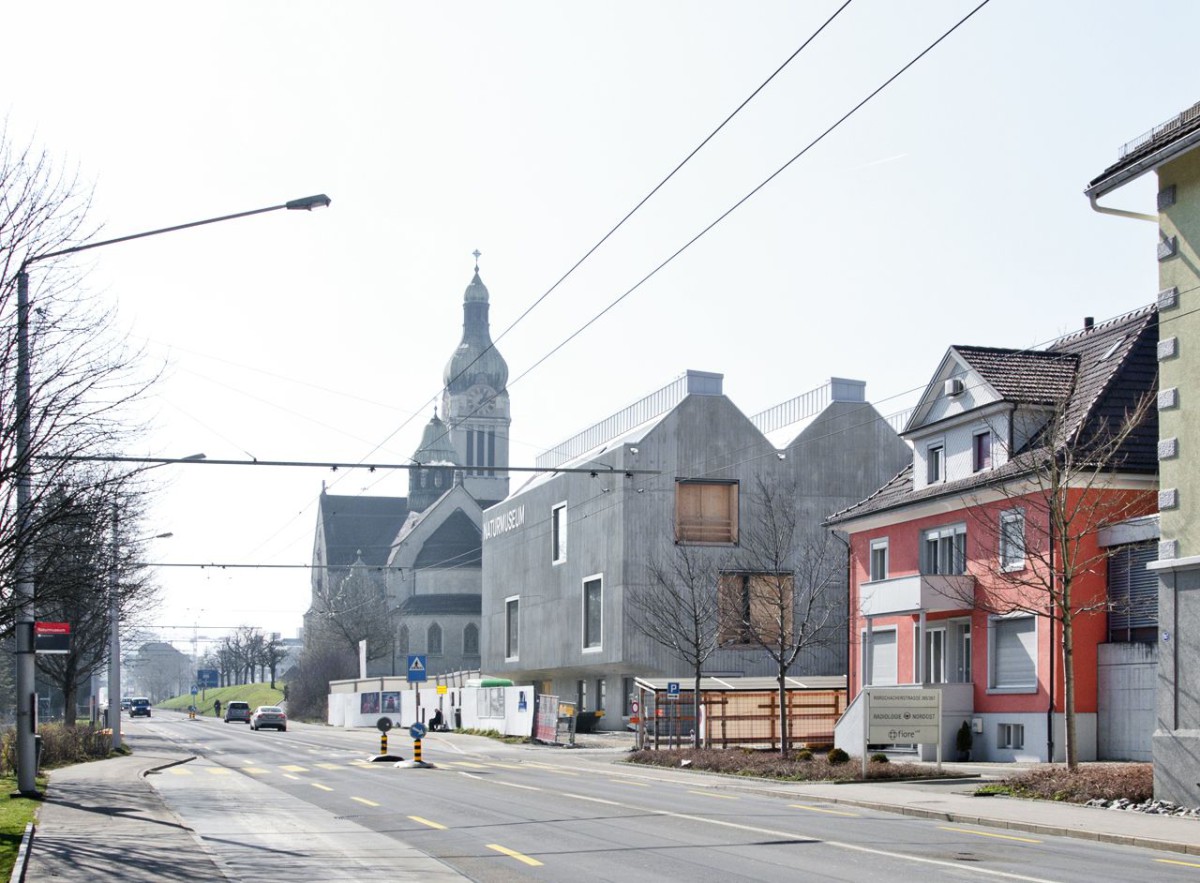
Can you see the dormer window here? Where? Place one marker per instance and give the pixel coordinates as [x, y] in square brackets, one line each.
[935, 463]
[981, 451]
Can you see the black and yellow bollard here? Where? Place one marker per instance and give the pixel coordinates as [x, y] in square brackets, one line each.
[417, 751]
[383, 743]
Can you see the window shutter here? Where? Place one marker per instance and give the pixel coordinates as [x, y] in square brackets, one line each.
[1015, 652]
[883, 658]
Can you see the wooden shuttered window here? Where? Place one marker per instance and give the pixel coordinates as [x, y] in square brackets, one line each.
[706, 512]
[751, 605]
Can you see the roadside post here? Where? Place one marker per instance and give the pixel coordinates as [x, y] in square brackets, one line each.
[192, 707]
[383, 725]
[417, 731]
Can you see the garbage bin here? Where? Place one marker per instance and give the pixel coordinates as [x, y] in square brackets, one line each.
[458, 718]
[37, 752]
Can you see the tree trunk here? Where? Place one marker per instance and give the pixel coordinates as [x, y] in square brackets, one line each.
[1068, 667]
[696, 710]
[784, 735]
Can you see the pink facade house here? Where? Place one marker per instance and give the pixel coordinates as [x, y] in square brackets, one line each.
[952, 572]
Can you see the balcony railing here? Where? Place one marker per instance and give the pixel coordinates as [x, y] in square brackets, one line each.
[908, 594]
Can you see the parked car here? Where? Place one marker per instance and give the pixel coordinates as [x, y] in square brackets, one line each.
[125, 703]
[139, 706]
[268, 716]
[237, 711]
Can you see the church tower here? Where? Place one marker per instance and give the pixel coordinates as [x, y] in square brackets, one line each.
[475, 401]
[434, 474]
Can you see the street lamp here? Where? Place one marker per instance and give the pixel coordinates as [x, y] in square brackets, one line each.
[26, 667]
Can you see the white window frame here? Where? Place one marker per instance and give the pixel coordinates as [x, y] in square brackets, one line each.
[1012, 546]
[880, 545]
[583, 598]
[944, 669]
[558, 533]
[512, 641]
[965, 662]
[942, 565]
[994, 624]
[1010, 736]
[935, 475]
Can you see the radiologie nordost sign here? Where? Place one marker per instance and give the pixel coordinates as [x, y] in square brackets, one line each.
[501, 524]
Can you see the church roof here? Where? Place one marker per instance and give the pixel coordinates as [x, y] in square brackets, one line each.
[358, 525]
[436, 448]
[442, 605]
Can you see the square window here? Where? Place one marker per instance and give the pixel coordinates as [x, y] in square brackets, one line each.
[879, 559]
[512, 610]
[944, 550]
[751, 607]
[558, 533]
[706, 511]
[981, 448]
[593, 618]
[1012, 654]
[1010, 736]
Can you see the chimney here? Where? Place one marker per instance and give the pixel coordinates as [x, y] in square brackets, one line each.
[1088, 322]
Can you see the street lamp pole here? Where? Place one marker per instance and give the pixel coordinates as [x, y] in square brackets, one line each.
[26, 668]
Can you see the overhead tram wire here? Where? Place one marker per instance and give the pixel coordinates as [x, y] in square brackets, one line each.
[753, 192]
[631, 212]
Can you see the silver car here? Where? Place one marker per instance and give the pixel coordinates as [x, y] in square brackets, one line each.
[269, 717]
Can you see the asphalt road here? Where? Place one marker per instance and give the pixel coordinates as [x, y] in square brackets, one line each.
[306, 804]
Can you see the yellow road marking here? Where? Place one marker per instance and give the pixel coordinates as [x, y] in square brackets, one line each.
[258, 771]
[292, 768]
[319, 785]
[532, 862]
[989, 834]
[1167, 861]
[290, 776]
[219, 771]
[832, 812]
[709, 794]
[364, 800]
[427, 822]
[329, 766]
[553, 769]
[506, 766]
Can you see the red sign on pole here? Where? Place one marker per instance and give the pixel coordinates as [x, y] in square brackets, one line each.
[52, 637]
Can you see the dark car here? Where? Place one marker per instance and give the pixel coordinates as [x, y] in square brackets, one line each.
[139, 706]
[237, 711]
[126, 703]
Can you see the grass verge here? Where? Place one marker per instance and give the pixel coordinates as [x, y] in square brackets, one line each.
[255, 694]
[15, 814]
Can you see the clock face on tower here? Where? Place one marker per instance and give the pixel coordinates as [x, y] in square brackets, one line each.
[480, 400]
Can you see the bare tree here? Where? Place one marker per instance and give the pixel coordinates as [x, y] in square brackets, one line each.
[308, 685]
[788, 594]
[677, 608]
[81, 375]
[1043, 517]
[76, 574]
[274, 652]
[352, 610]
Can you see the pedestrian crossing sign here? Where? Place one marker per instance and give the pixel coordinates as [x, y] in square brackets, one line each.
[416, 667]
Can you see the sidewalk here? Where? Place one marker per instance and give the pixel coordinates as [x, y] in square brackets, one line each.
[102, 820]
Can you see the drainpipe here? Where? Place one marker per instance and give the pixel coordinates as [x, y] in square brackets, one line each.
[850, 618]
[1121, 213]
[1050, 706]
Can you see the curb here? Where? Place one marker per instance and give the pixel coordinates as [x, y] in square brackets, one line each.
[22, 862]
[1025, 827]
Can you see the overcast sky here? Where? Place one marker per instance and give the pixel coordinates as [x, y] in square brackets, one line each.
[948, 210]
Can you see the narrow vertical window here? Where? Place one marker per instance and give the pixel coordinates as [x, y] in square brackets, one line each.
[558, 534]
[935, 462]
[433, 645]
[592, 613]
[879, 559]
[471, 640]
[981, 446]
[512, 609]
[1012, 539]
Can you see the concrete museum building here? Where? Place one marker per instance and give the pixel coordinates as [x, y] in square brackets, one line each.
[681, 472]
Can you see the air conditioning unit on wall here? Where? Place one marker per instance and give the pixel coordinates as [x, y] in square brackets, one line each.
[953, 386]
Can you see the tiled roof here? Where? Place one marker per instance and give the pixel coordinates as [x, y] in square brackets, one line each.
[1178, 128]
[365, 525]
[1025, 376]
[1115, 365]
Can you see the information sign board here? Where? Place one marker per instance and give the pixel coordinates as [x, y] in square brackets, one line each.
[52, 637]
[904, 716]
[416, 667]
